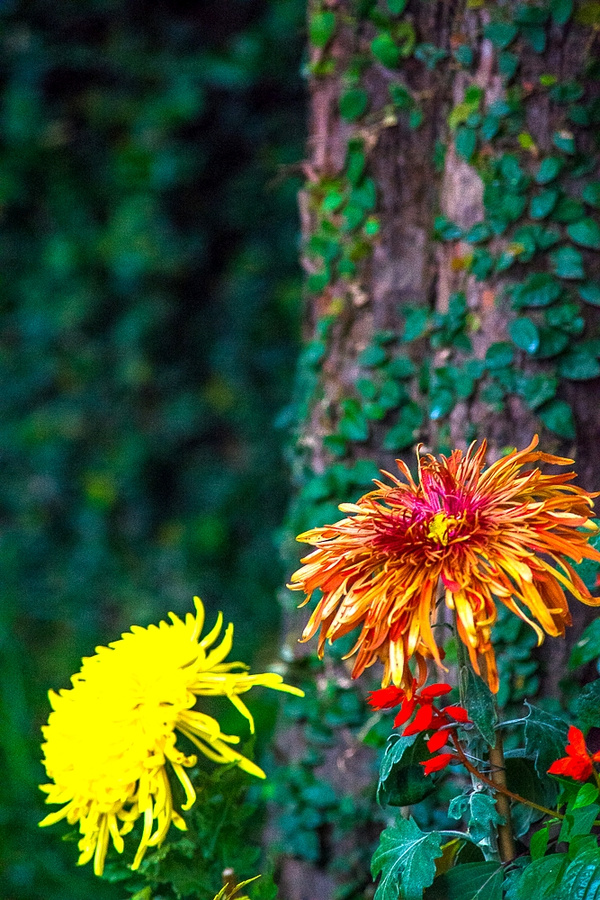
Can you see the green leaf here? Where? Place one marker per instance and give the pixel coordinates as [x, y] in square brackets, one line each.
[322, 28]
[355, 165]
[353, 103]
[538, 289]
[591, 193]
[499, 355]
[385, 49]
[400, 367]
[479, 232]
[585, 232]
[524, 780]
[552, 342]
[353, 424]
[404, 434]
[543, 203]
[537, 389]
[371, 356]
[442, 402]
[468, 881]
[400, 96]
[500, 34]
[508, 63]
[568, 210]
[578, 821]
[581, 879]
[465, 142]
[567, 262]
[545, 737]
[561, 10]
[557, 416]
[524, 333]
[405, 858]
[587, 648]
[539, 842]
[590, 292]
[397, 7]
[463, 55]
[548, 169]
[481, 264]
[480, 704]
[539, 879]
[402, 779]
[579, 365]
[587, 706]
[416, 323]
[586, 795]
[564, 140]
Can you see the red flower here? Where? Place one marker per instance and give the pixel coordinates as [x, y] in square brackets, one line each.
[578, 763]
[386, 698]
[437, 762]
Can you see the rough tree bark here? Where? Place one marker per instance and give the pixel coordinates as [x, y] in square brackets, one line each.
[414, 261]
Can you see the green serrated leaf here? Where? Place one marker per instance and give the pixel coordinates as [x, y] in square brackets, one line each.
[587, 706]
[585, 232]
[524, 333]
[545, 737]
[405, 859]
[480, 704]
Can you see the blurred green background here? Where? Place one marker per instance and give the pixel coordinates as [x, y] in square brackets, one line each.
[149, 325]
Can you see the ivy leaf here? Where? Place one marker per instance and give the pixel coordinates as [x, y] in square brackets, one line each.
[591, 193]
[585, 232]
[480, 704]
[524, 333]
[548, 169]
[441, 403]
[500, 34]
[564, 140]
[405, 858]
[568, 210]
[465, 142]
[545, 737]
[552, 342]
[416, 323]
[372, 356]
[557, 416]
[353, 424]
[587, 648]
[353, 103]
[567, 262]
[499, 355]
[537, 389]
[561, 11]
[538, 289]
[579, 365]
[397, 7]
[385, 49]
[322, 28]
[543, 203]
[590, 292]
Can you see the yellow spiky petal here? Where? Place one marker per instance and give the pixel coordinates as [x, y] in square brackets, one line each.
[110, 737]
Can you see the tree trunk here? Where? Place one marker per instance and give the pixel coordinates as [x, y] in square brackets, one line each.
[467, 245]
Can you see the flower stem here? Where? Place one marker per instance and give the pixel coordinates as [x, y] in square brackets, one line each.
[500, 788]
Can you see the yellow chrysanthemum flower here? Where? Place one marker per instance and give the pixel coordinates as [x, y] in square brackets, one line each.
[110, 736]
[470, 535]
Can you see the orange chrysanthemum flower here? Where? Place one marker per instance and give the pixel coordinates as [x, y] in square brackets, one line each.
[470, 534]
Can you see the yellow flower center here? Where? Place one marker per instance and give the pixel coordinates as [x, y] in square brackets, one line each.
[439, 527]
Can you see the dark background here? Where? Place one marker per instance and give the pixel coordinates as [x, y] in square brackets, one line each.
[148, 330]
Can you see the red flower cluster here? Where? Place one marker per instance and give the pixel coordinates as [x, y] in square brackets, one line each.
[578, 763]
[428, 717]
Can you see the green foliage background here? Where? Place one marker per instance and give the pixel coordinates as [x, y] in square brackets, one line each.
[149, 317]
